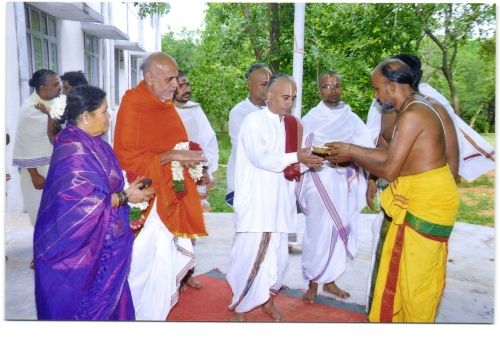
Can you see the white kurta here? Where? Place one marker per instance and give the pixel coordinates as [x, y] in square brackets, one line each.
[264, 200]
[332, 198]
[200, 131]
[236, 117]
[264, 203]
[32, 149]
[472, 163]
[159, 263]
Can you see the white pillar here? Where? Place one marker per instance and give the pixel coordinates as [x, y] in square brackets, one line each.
[298, 54]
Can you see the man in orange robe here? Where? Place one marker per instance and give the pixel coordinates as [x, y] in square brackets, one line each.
[147, 129]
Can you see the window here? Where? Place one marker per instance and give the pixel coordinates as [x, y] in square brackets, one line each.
[133, 71]
[91, 47]
[41, 39]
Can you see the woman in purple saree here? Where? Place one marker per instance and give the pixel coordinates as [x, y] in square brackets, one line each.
[83, 241]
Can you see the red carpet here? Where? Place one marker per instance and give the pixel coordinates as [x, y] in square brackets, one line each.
[209, 304]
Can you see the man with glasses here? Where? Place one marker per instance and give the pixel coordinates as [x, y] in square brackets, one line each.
[332, 196]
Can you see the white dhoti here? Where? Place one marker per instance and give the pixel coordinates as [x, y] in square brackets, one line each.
[330, 237]
[331, 197]
[256, 269]
[31, 196]
[159, 263]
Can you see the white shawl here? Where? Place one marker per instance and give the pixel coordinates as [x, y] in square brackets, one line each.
[32, 147]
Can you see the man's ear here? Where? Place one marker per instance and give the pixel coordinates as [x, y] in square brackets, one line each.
[392, 87]
[269, 96]
[148, 78]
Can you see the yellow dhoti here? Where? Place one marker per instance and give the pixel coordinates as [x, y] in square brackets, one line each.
[411, 275]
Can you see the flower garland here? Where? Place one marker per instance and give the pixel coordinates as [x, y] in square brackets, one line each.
[178, 170]
[58, 107]
[136, 217]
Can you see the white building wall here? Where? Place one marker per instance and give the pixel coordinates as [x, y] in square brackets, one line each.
[70, 57]
[120, 16]
[70, 44]
[12, 106]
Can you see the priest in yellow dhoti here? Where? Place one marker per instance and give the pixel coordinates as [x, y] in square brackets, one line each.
[421, 202]
[412, 270]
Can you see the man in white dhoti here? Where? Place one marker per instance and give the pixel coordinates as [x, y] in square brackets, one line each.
[32, 147]
[200, 131]
[258, 76]
[264, 204]
[331, 197]
[148, 128]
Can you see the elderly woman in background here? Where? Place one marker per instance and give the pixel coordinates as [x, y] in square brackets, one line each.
[83, 240]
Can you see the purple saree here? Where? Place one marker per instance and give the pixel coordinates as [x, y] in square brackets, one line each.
[82, 246]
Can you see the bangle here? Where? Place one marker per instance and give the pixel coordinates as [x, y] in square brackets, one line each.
[119, 199]
[125, 197]
[122, 198]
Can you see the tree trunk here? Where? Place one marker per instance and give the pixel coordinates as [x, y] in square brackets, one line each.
[274, 36]
[252, 34]
[448, 74]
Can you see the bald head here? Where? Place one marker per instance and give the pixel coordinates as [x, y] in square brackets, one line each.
[160, 74]
[258, 78]
[281, 94]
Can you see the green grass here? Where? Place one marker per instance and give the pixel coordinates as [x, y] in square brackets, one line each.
[470, 212]
[224, 142]
[482, 181]
[217, 196]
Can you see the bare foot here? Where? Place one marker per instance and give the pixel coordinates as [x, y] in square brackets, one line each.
[238, 317]
[334, 289]
[271, 310]
[194, 283]
[310, 295]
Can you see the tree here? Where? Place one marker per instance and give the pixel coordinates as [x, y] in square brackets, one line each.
[151, 8]
[458, 22]
[182, 49]
[351, 38]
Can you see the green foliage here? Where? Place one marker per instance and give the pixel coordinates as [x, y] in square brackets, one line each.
[182, 49]
[474, 78]
[151, 8]
[351, 38]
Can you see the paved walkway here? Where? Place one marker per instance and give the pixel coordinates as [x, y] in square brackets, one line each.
[468, 298]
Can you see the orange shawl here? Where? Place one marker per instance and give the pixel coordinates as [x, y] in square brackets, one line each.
[145, 128]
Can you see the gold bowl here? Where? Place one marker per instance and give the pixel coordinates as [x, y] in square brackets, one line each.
[320, 151]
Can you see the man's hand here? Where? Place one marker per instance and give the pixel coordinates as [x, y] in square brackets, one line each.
[312, 161]
[38, 181]
[43, 108]
[339, 152]
[205, 179]
[371, 190]
[188, 158]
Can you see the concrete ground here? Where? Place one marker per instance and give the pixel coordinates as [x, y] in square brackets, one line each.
[468, 298]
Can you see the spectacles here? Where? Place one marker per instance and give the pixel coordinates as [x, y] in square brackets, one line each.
[331, 86]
